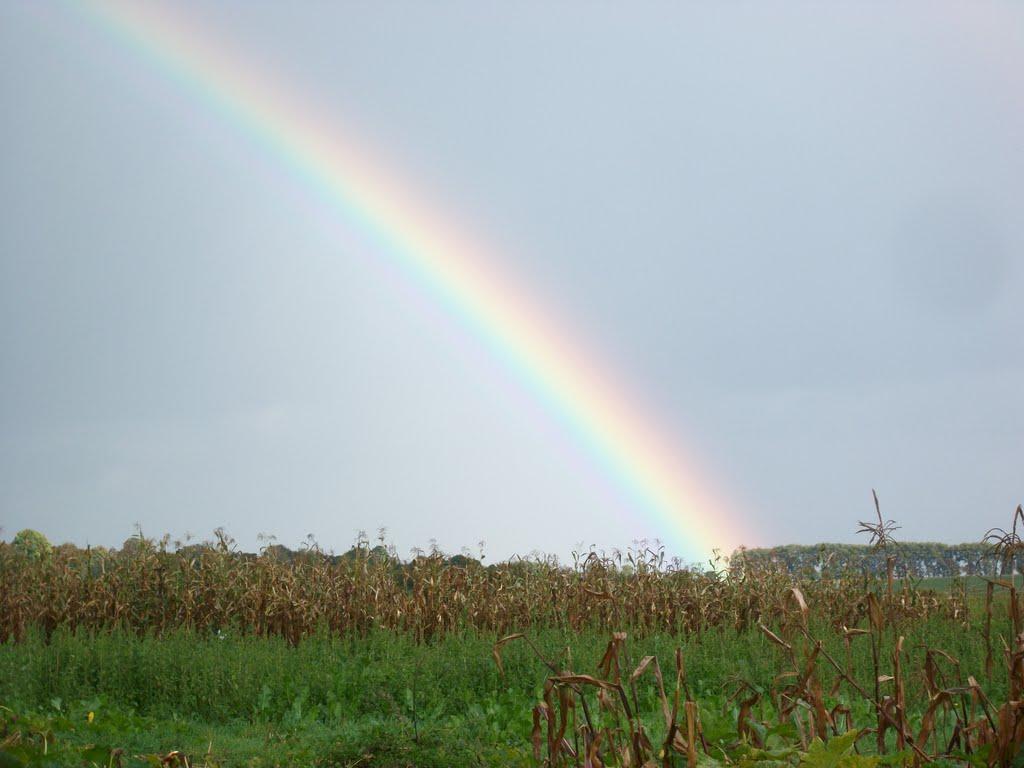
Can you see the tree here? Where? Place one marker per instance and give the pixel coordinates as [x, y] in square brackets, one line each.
[32, 544]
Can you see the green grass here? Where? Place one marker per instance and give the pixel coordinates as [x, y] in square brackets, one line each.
[380, 700]
[367, 742]
[942, 584]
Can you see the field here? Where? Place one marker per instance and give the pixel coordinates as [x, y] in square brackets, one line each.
[205, 656]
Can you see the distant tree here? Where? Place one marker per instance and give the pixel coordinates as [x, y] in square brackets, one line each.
[463, 561]
[278, 552]
[32, 544]
[67, 550]
[193, 551]
[132, 546]
[918, 559]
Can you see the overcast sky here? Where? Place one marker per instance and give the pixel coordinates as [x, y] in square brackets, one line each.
[794, 229]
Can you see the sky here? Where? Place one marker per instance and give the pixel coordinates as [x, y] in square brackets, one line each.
[792, 232]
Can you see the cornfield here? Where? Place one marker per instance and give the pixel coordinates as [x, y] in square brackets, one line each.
[921, 704]
[155, 590]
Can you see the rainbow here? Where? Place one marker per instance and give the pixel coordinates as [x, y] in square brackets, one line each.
[656, 478]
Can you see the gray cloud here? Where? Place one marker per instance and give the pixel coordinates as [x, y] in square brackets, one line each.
[794, 229]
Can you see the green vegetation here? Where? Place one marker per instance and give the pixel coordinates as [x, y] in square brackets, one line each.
[207, 656]
[31, 544]
[921, 560]
[382, 699]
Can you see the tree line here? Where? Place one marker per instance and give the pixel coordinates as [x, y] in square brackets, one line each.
[918, 559]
